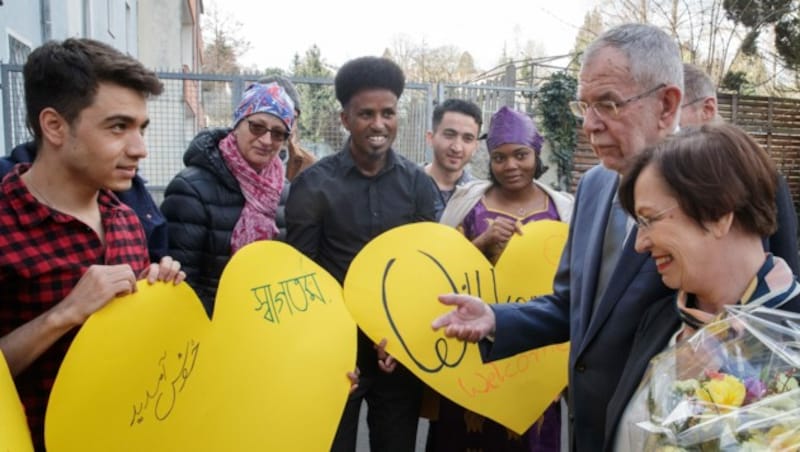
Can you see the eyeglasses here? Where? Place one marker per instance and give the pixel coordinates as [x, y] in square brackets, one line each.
[260, 129]
[692, 102]
[607, 108]
[644, 223]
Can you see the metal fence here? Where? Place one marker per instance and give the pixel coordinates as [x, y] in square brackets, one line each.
[191, 102]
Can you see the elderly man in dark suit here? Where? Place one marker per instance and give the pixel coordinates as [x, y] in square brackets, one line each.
[629, 97]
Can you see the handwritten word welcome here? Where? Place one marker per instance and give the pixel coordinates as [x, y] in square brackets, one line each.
[293, 295]
[162, 398]
[494, 375]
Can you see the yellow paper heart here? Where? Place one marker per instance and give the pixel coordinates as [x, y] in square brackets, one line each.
[126, 378]
[150, 372]
[391, 290]
[283, 342]
[14, 433]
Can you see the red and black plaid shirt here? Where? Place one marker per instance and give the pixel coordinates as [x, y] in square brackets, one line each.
[43, 254]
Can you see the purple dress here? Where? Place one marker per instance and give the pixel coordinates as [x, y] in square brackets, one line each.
[458, 429]
[480, 217]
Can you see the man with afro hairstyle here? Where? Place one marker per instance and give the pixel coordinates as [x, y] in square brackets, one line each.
[338, 205]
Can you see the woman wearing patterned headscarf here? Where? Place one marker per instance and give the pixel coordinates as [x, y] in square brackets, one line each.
[489, 213]
[227, 196]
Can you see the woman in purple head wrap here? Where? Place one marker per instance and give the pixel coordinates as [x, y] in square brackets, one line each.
[489, 213]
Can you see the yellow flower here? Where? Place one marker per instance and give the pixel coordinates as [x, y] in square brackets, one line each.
[784, 438]
[723, 389]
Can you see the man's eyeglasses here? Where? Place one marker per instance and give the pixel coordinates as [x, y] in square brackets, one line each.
[260, 129]
[692, 102]
[644, 223]
[608, 108]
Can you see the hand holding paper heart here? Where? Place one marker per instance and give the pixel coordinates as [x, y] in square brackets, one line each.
[392, 291]
[151, 372]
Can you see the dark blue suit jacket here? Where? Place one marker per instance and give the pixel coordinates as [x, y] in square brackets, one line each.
[783, 243]
[600, 342]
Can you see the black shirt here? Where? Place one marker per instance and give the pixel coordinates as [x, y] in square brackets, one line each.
[334, 210]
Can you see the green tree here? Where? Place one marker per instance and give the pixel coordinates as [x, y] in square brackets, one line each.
[318, 120]
[720, 36]
[735, 81]
[780, 15]
[787, 40]
[557, 122]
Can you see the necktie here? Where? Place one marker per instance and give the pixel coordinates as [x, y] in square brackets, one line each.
[613, 243]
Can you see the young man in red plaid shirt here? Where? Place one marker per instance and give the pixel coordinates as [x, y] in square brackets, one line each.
[67, 244]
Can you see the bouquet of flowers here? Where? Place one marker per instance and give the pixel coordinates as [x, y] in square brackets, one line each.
[734, 385]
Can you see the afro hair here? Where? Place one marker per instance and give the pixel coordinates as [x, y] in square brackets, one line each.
[368, 73]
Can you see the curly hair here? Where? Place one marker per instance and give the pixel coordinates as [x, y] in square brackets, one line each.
[368, 73]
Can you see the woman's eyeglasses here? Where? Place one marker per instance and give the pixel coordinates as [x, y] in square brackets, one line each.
[644, 223]
[260, 129]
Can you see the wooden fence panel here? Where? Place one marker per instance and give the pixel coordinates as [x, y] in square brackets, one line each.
[773, 122]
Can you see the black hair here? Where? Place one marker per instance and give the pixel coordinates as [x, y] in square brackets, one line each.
[65, 76]
[458, 106]
[368, 73]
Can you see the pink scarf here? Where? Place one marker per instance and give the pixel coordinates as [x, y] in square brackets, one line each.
[261, 191]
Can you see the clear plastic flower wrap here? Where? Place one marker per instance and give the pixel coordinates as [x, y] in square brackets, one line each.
[732, 386]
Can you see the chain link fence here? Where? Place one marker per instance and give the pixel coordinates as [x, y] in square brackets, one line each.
[191, 102]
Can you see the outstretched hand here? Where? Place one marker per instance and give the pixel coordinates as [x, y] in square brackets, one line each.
[472, 320]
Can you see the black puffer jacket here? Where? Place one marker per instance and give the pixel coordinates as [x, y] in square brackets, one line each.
[202, 205]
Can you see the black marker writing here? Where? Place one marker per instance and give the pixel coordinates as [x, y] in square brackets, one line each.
[163, 396]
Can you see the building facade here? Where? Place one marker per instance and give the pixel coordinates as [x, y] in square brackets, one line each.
[160, 33]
